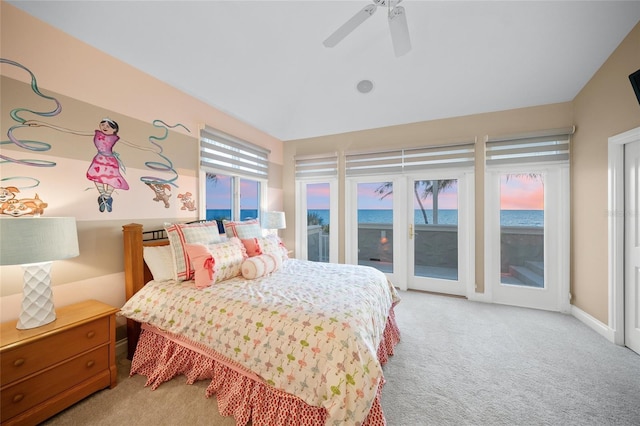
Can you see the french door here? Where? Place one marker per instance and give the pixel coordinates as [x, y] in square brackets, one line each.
[439, 234]
[415, 229]
[527, 237]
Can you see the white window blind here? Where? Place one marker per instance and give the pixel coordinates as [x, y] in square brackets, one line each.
[546, 146]
[315, 166]
[223, 153]
[410, 159]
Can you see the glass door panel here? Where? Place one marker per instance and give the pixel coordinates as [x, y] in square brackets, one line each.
[375, 225]
[439, 237]
[435, 228]
[318, 202]
[522, 230]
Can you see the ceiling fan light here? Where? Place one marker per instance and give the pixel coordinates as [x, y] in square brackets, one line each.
[399, 31]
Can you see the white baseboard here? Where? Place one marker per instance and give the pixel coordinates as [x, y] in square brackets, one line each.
[591, 322]
[121, 348]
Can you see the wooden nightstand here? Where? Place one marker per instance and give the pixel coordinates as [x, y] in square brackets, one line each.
[47, 369]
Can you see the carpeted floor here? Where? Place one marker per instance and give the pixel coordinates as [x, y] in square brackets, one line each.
[459, 363]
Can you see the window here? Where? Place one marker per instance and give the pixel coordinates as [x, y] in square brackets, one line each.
[233, 178]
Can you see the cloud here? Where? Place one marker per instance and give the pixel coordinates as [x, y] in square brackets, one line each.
[521, 193]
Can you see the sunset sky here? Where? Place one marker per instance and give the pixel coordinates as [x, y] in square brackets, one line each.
[518, 193]
[521, 193]
[219, 194]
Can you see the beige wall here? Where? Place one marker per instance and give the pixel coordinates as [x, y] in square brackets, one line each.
[606, 106]
[64, 65]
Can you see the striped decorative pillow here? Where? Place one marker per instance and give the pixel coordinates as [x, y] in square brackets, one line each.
[242, 229]
[180, 234]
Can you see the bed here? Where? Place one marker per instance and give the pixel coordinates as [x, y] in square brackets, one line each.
[300, 343]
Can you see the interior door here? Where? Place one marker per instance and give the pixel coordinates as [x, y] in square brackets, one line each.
[632, 245]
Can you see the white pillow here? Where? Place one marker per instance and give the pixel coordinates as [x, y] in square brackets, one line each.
[159, 260]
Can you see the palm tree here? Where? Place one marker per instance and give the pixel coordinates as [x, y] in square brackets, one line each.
[529, 176]
[422, 189]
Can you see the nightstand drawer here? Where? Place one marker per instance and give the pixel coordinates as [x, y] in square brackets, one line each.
[28, 393]
[40, 354]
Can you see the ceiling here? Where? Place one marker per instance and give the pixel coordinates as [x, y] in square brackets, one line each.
[264, 62]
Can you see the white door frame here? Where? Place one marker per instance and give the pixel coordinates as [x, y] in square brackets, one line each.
[616, 231]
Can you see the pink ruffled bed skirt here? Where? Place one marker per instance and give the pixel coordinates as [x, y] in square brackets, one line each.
[239, 392]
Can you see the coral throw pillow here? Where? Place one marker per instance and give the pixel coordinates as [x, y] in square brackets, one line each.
[252, 245]
[203, 264]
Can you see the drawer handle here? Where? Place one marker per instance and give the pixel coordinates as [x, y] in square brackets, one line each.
[90, 363]
[18, 397]
[18, 362]
[91, 334]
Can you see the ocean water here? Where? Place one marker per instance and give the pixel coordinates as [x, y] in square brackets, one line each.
[219, 214]
[445, 217]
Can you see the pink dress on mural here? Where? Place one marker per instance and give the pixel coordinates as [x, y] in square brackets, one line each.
[105, 166]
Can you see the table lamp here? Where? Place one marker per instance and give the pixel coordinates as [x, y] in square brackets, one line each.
[273, 221]
[33, 243]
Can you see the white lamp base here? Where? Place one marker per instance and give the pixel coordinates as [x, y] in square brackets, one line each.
[37, 299]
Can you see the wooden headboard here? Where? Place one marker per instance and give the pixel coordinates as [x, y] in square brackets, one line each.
[136, 272]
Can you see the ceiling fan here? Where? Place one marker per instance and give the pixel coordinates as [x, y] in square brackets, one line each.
[397, 25]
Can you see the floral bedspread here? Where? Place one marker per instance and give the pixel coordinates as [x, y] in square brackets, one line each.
[311, 329]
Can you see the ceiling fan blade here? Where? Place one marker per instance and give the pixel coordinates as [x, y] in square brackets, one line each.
[399, 31]
[350, 25]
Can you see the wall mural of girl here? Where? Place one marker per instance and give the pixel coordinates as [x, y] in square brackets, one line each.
[106, 167]
[106, 170]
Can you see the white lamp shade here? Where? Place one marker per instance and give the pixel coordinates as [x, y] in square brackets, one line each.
[27, 240]
[273, 220]
[34, 242]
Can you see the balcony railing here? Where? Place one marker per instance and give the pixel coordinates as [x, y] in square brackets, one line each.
[436, 248]
[317, 244]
